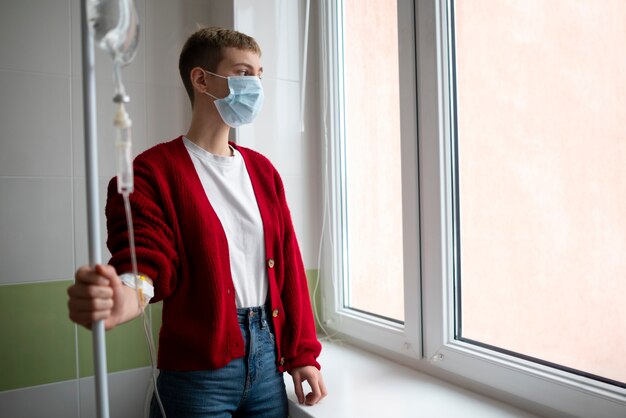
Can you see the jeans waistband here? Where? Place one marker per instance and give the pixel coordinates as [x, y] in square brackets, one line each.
[252, 314]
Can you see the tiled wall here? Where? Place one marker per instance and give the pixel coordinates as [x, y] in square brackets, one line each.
[46, 361]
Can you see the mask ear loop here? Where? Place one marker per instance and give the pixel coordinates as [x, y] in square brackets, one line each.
[210, 95]
[217, 75]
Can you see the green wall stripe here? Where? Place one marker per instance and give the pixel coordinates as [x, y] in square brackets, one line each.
[126, 348]
[126, 344]
[37, 343]
[312, 278]
[37, 339]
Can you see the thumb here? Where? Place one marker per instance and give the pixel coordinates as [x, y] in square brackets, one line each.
[107, 271]
[116, 283]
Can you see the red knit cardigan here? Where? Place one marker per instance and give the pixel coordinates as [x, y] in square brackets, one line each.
[182, 246]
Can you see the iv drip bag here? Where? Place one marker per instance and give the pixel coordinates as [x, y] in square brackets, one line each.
[116, 28]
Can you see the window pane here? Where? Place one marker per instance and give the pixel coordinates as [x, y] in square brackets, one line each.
[372, 158]
[541, 105]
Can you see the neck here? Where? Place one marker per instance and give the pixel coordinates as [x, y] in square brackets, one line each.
[208, 131]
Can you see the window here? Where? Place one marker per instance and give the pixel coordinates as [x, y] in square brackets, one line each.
[371, 119]
[540, 194]
[371, 160]
[520, 243]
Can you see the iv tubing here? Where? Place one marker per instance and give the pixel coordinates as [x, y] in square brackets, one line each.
[125, 186]
[93, 224]
[146, 325]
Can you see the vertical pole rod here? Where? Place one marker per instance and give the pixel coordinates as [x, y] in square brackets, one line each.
[93, 219]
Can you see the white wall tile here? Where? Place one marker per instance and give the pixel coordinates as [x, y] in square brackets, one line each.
[277, 26]
[35, 36]
[81, 249]
[34, 124]
[36, 229]
[169, 112]
[276, 131]
[303, 205]
[168, 24]
[53, 400]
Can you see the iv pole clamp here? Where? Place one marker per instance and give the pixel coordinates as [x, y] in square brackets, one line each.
[93, 224]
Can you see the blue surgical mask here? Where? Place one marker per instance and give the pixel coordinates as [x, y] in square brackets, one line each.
[244, 101]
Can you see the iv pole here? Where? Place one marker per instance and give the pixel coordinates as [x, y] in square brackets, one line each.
[93, 219]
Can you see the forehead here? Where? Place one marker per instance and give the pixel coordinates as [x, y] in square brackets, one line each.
[234, 56]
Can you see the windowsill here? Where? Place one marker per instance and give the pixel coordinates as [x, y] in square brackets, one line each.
[361, 384]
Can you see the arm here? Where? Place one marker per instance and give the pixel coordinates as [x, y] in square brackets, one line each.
[302, 363]
[98, 293]
[157, 256]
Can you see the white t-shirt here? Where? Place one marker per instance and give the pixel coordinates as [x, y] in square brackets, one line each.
[228, 187]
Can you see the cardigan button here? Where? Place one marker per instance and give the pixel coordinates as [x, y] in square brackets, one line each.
[282, 361]
[275, 313]
[270, 263]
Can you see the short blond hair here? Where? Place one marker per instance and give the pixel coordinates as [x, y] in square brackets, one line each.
[204, 49]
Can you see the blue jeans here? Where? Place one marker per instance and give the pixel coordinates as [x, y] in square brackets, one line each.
[250, 386]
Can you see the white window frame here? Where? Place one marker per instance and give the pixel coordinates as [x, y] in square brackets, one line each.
[427, 340]
[358, 327]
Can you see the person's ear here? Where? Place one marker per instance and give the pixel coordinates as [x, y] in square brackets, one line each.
[198, 79]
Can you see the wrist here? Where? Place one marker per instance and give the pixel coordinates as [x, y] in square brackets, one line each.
[141, 286]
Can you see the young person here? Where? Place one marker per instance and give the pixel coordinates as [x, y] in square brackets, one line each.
[215, 242]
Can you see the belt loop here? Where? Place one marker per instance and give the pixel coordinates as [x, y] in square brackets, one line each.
[263, 316]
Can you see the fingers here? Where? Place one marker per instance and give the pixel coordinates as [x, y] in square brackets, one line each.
[314, 378]
[319, 394]
[106, 270]
[91, 296]
[87, 275]
[86, 311]
[87, 317]
[297, 386]
[318, 390]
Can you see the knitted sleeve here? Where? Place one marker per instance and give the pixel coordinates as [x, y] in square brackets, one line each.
[302, 348]
[154, 240]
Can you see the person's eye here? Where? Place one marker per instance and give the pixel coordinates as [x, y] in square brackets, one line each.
[243, 72]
